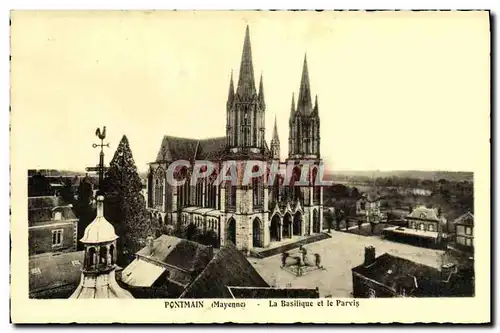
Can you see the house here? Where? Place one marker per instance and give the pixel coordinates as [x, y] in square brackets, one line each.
[392, 276]
[165, 267]
[52, 225]
[54, 275]
[424, 227]
[464, 231]
[368, 205]
[228, 268]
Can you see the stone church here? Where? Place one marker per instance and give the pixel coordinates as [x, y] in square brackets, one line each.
[257, 215]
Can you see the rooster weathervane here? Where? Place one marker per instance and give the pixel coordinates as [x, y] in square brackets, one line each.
[100, 168]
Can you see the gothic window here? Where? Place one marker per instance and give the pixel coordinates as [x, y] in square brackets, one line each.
[230, 195]
[257, 191]
[430, 227]
[159, 184]
[199, 194]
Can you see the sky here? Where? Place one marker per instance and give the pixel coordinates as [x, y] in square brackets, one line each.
[396, 91]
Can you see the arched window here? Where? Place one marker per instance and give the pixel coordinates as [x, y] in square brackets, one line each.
[257, 191]
[103, 255]
[421, 226]
[57, 215]
[430, 227]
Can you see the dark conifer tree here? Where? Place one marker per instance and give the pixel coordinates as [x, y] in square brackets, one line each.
[125, 206]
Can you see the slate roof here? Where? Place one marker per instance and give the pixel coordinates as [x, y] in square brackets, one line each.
[397, 273]
[40, 209]
[48, 272]
[467, 219]
[270, 292]
[180, 253]
[229, 267]
[45, 202]
[175, 148]
[424, 213]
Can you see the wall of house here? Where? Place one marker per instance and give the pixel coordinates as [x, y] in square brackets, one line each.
[465, 235]
[426, 225]
[40, 238]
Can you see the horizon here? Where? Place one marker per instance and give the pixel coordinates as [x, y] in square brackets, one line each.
[78, 72]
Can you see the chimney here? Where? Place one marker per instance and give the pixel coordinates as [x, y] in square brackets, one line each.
[447, 270]
[150, 242]
[100, 206]
[369, 255]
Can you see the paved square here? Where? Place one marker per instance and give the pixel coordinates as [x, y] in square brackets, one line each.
[338, 255]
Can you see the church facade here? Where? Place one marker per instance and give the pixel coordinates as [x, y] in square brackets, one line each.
[249, 215]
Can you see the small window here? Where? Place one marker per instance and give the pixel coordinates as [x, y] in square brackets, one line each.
[468, 231]
[57, 216]
[430, 227]
[421, 226]
[468, 242]
[57, 237]
[36, 271]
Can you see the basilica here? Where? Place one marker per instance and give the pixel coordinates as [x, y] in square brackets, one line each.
[250, 216]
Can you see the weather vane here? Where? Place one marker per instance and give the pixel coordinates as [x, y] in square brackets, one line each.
[100, 168]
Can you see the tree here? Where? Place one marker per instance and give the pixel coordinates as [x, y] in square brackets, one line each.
[329, 220]
[339, 216]
[125, 205]
[67, 193]
[84, 209]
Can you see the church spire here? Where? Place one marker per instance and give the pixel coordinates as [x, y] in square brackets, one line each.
[246, 81]
[275, 130]
[261, 93]
[304, 104]
[230, 97]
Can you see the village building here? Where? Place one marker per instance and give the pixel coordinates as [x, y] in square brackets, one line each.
[52, 225]
[54, 275]
[98, 279]
[464, 232]
[368, 207]
[425, 227]
[392, 276]
[248, 216]
[165, 267]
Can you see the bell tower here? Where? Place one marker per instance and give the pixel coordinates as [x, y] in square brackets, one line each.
[246, 107]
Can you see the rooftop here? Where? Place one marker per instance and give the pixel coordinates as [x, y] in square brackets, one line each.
[397, 273]
[270, 292]
[424, 213]
[51, 271]
[228, 267]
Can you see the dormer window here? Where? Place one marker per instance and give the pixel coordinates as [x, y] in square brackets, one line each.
[57, 216]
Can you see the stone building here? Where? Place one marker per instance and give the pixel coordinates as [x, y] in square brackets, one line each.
[464, 231]
[248, 216]
[52, 225]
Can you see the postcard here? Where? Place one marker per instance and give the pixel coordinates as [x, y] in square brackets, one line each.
[250, 167]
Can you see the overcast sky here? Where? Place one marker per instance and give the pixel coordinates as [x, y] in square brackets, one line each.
[396, 90]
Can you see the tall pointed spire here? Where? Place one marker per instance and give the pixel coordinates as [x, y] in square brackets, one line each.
[304, 104]
[261, 93]
[230, 97]
[292, 109]
[316, 104]
[246, 81]
[275, 130]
